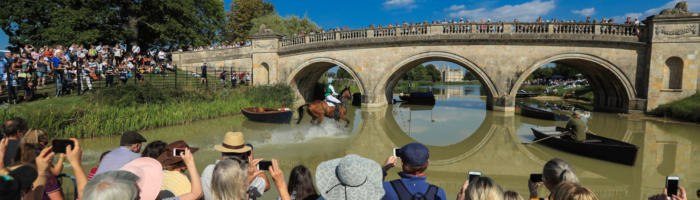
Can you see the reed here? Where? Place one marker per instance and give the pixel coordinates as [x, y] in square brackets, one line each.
[127, 108]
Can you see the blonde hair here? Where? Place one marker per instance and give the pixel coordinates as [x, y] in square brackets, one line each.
[229, 181]
[34, 136]
[511, 195]
[572, 191]
[557, 171]
[483, 189]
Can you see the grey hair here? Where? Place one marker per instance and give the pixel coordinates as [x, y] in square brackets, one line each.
[112, 185]
[229, 181]
[511, 195]
[557, 171]
[484, 188]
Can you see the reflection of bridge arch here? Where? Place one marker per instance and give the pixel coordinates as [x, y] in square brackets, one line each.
[304, 77]
[391, 78]
[611, 87]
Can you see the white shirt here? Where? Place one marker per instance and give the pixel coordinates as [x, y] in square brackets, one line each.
[136, 49]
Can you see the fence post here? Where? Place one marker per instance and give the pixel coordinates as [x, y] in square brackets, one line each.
[175, 68]
[80, 79]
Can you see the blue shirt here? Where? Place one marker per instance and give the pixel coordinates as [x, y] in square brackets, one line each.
[413, 184]
[116, 159]
[55, 61]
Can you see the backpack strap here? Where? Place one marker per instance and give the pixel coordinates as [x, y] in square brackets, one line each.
[432, 192]
[401, 190]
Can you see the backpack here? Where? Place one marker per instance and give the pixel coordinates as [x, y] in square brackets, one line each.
[403, 193]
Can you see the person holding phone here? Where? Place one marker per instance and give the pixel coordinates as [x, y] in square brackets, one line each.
[672, 191]
[234, 147]
[555, 171]
[178, 159]
[128, 150]
[415, 160]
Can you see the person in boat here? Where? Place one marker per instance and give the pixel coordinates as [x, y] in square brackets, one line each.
[330, 96]
[577, 127]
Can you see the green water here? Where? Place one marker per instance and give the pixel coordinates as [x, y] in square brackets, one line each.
[461, 135]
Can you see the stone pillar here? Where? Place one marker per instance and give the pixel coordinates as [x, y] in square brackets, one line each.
[550, 28]
[265, 58]
[505, 104]
[435, 29]
[508, 27]
[674, 54]
[370, 33]
[596, 29]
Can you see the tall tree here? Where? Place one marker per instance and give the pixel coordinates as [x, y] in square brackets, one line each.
[150, 23]
[284, 25]
[241, 16]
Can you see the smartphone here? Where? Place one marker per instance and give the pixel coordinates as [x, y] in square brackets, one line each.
[672, 185]
[473, 175]
[264, 165]
[59, 145]
[178, 151]
[535, 178]
[395, 152]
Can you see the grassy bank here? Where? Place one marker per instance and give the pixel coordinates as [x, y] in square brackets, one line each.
[402, 85]
[582, 93]
[687, 109]
[131, 107]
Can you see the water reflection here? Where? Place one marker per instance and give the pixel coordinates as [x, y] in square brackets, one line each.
[461, 135]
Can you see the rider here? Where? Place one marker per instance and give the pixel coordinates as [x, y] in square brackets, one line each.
[330, 95]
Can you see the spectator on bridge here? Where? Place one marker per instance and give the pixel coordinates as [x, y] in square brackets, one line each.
[415, 160]
[129, 147]
[555, 171]
[588, 19]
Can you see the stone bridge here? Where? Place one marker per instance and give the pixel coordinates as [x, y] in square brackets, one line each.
[630, 68]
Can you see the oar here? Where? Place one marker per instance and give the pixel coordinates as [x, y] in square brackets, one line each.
[560, 134]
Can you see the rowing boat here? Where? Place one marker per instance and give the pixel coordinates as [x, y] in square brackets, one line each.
[269, 115]
[528, 111]
[594, 146]
[423, 98]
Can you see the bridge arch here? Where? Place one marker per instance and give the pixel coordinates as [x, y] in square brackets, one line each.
[391, 78]
[304, 77]
[612, 89]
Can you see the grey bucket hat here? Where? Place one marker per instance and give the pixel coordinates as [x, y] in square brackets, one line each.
[350, 177]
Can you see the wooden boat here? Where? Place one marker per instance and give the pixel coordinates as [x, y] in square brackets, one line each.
[595, 146]
[528, 111]
[525, 94]
[424, 98]
[269, 115]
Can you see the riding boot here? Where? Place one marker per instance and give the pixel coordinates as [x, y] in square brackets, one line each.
[336, 112]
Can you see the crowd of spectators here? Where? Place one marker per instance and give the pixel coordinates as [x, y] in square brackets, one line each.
[225, 45]
[168, 171]
[76, 67]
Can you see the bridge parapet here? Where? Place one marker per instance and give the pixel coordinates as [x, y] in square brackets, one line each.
[624, 32]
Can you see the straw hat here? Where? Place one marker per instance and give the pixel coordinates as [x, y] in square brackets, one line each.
[150, 173]
[350, 177]
[233, 143]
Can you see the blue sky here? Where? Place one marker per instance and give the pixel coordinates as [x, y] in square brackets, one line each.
[361, 13]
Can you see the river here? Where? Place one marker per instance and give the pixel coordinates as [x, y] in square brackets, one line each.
[462, 136]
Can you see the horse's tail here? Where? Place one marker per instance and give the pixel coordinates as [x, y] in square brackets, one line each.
[301, 112]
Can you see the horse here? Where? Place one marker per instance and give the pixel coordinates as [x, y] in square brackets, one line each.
[319, 108]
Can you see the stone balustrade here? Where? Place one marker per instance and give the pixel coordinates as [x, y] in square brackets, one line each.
[623, 30]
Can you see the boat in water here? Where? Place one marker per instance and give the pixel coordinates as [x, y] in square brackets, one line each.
[268, 115]
[594, 146]
[538, 113]
[423, 98]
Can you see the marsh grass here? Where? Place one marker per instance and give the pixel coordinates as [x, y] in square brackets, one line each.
[687, 109]
[130, 107]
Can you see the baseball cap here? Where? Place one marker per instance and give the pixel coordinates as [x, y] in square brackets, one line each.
[131, 137]
[414, 154]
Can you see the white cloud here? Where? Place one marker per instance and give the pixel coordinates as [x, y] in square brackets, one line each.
[528, 11]
[455, 7]
[693, 5]
[393, 4]
[586, 12]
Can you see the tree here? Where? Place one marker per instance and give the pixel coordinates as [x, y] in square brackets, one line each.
[287, 26]
[241, 16]
[150, 23]
[341, 73]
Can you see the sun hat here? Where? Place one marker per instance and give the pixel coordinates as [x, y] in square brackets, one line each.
[150, 173]
[414, 154]
[350, 177]
[167, 157]
[234, 142]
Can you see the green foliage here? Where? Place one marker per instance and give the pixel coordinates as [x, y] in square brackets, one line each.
[287, 26]
[547, 71]
[422, 73]
[150, 23]
[240, 18]
[341, 73]
[100, 115]
[687, 109]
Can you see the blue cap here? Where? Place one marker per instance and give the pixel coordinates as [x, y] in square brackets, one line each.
[414, 154]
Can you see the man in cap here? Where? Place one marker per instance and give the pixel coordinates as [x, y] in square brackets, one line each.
[128, 150]
[577, 127]
[412, 185]
[234, 147]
